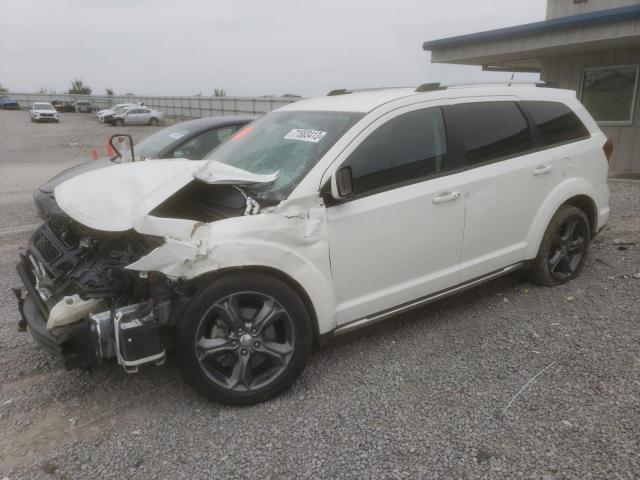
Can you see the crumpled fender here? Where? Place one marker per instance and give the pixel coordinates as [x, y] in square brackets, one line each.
[292, 243]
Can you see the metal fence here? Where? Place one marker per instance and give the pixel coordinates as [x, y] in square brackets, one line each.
[177, 107]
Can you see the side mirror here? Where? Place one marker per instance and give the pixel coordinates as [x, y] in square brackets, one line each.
[342, 183]
[121, 142]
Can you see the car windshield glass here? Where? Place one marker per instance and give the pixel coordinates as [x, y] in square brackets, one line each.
[42, 106]
[290, 143]
[153, 145]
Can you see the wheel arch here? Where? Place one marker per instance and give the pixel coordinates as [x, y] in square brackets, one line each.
[274, 272]
[588, 206]
[573, 192]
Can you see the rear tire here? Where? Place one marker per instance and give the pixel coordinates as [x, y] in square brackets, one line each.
[154, 122]
[244, 338]
[563, 248]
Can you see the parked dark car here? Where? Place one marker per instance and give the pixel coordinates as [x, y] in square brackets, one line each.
[84, 106]
[192, 139]
[63, 106]
[8, 103]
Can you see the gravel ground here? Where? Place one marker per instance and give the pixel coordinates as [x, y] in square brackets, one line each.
[428, 394]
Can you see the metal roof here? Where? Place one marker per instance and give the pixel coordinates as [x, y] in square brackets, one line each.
[546, 26]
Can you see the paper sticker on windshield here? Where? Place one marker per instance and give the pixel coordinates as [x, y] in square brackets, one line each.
[313, 136]
[176, 135]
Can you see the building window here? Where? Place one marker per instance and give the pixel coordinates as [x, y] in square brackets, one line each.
[609, 93]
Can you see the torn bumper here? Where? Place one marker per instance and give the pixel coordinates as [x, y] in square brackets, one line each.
[75, 344]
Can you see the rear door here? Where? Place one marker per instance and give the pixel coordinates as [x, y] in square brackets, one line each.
[399, 237]
[509, 176]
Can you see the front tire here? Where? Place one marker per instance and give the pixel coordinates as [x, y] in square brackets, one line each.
[244, 338]
[118, 122]
[563, 249]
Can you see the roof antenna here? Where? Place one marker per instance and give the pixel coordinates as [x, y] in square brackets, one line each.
[511, 79]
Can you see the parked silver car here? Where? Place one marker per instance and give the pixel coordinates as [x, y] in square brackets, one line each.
[135, 116]
[103, 115]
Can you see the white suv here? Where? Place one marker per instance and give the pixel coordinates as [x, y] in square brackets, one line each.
[323, 216]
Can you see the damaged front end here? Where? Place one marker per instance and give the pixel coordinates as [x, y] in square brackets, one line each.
[83, 297]
[81, 302]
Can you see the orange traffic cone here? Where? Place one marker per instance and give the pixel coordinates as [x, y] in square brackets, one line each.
[94, 153]
[110, 151]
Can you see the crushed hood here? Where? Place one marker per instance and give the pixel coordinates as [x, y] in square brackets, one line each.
[75, 170]
[113, 199]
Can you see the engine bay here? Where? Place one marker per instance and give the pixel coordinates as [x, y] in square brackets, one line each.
[90, 307]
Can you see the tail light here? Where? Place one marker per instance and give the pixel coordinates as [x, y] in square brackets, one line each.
[608, 149]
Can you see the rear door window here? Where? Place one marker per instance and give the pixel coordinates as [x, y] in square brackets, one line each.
[490, 131]
[556, 122]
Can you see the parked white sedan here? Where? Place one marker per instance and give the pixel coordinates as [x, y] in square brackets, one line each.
[135, 116]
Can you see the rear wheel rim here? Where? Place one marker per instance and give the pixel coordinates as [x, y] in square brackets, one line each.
[244, 341]
[568, 248]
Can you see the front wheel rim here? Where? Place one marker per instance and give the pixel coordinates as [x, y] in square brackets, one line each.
[568, 248]
[244, 341]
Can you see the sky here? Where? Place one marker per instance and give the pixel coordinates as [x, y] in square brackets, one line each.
[246, 47]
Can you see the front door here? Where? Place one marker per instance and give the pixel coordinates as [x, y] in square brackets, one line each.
[399, 237]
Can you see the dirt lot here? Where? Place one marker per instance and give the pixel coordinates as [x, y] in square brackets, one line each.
[429, 394]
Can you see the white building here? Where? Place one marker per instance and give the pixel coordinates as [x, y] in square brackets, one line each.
[591, 46]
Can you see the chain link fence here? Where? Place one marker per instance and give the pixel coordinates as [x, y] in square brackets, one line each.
[175, 107]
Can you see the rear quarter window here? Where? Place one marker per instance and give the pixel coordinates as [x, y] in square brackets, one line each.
[556, 122]
[490, 131]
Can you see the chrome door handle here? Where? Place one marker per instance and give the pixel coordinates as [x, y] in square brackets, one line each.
[446, 197]
[543, 169]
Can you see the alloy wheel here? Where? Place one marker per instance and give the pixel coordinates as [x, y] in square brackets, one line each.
[244, 341]
[568, 248]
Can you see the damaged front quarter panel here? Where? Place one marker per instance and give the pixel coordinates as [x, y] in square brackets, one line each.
[207, 222]
[290, 238]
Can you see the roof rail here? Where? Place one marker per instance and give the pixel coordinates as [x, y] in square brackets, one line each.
[429, 87]
[434, 86]
[339, 91]
[346, 91]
